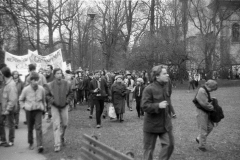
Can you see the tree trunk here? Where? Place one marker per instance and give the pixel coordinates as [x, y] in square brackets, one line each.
[152, 33]
[38, 28]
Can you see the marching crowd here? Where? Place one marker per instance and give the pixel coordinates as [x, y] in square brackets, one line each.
[55, 93]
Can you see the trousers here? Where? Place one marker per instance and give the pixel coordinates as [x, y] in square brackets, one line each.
[60, 121]
[167, 143]
[34, 118]
[99, 104]
[205, 126]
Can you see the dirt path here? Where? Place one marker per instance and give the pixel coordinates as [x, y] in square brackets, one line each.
[20, 149]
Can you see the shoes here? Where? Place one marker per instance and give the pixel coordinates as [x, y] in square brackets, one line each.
[40, 149]
[121, 120]
[90, 116]
[130, 109]
[25, 122]
[16, 127]
[57, 148]
[31, 146]
[104, 116]
[3, 143]
[88, 109]
[10, 144]
[202, 149]
[174, 116]
[98, 126]
[197, 140]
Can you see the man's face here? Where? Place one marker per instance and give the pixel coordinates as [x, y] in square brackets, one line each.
[49, 69]
[128, 76]
[58, 75]
[34, 83]
[15, 75]
[163, 77]
[97, 75]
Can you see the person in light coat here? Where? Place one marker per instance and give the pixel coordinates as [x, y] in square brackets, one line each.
[205, 125]
[32, 99]
[129, 82]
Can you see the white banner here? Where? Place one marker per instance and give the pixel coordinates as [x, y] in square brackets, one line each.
[18, 63]
[55, 59]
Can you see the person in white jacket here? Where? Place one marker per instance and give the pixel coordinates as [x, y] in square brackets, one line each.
[32, 99]
[129, 82]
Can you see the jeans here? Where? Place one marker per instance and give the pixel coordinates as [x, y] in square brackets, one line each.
[91, 105]
[60, 121]
[34, 118]
[2, 129]
[205, 126]
[167, 143]
[11, 126]
[99, 103]
[138, 106]
[16, 115]
[129, 98]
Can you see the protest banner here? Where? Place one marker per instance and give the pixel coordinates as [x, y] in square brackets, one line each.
[17, 63]
[55, 59]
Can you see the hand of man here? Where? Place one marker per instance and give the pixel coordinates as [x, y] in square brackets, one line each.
[163, 104]
[96, 90]
[6, 113]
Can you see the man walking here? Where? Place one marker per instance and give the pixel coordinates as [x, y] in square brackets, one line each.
[9, 99]
[157, 120]
[59, 94]
[49, 78]
[99, 91]
[130, 86]
[20, 86]
[33, 101]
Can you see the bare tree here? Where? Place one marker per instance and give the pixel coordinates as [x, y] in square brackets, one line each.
[209, 24]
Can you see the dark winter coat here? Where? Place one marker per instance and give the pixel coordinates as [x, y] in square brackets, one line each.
[156, 120]
[118, 92]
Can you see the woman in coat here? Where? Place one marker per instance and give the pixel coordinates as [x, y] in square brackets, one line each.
[119, 91]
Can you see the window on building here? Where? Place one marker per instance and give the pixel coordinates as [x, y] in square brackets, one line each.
[235, 32]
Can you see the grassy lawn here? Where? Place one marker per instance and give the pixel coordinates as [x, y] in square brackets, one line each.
[222, 144]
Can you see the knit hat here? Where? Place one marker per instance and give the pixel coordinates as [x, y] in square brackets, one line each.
[211, 84]
[128, 73]
[118, 76]
[140, 80]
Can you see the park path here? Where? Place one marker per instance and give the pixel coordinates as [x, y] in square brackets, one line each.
[20, 149]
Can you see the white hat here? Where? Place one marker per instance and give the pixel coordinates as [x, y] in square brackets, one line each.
[140, 80]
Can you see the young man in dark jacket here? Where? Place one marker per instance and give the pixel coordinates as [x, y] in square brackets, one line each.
[138, 95]
[157, 120]
[99, 92]
[59, 95]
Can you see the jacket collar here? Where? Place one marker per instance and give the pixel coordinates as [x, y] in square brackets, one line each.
[8, 81]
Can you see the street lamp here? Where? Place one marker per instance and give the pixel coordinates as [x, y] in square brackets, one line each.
[92, 16]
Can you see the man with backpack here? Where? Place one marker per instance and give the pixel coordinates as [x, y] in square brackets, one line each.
[204, 107]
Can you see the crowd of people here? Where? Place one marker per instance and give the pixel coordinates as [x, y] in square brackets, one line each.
[55, 93]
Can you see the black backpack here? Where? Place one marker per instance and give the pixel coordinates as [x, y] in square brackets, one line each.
[217, 114]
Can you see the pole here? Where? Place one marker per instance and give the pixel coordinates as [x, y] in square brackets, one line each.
[92, 49]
